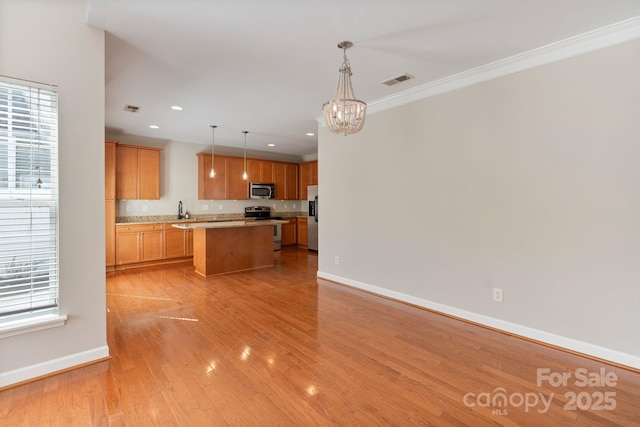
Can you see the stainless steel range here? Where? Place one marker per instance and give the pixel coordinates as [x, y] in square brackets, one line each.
[264, 212]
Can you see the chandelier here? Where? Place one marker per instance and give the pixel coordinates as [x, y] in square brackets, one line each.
[344, 113]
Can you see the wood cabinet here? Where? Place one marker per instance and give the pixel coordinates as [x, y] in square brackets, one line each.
[216, 187]
[260, 170]
[238, 187]
[137, 173]
[308, 176]
[139, 243]
[110, 201]
[285, 177]
[289, 231]
[177, 243]
[228, 182]
[291, 181]
[303, 236]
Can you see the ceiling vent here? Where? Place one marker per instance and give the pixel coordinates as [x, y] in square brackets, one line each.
[131, 108]
[398, 79]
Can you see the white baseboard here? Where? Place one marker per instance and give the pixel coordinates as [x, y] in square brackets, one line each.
[50, 366]
[512, 328]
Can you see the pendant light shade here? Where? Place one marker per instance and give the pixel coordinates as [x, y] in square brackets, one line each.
[244, 174]
[344, 114]
[212, 172]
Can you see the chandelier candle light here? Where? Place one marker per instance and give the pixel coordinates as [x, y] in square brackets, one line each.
[344, 113]
[212, 173]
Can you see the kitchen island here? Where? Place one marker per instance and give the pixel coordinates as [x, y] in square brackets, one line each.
[228, 246]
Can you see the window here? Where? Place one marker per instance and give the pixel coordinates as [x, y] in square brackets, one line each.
[28, 200]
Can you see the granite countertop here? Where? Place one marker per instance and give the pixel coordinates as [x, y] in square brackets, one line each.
[230, 224]
[161, 219]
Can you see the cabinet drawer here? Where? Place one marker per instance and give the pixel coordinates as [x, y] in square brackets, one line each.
[138, 228]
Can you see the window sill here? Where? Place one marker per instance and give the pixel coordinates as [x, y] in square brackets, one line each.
[25, 326]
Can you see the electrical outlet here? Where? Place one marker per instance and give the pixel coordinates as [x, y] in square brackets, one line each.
[145, 208]
[205, 207]
[337, 260]
[286, 206]
[497, 294]
[220, 206]
[274, 206]
[128, 208]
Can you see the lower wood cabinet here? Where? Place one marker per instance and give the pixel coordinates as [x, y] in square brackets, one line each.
[303, 234]
[178, 243]
[289, 231]
[139, 243]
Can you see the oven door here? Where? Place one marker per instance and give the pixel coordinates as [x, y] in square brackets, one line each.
[277, 237]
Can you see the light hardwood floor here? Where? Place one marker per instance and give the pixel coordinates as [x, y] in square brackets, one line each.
[277, 347]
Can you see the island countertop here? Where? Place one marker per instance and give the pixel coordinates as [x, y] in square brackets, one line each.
[229, 224]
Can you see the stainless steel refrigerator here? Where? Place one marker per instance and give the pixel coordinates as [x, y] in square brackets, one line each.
[312, 198]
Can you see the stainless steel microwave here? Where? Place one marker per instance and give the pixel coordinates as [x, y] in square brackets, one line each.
[262, 190]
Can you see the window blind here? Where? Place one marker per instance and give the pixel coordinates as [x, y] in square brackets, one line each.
[28, 200]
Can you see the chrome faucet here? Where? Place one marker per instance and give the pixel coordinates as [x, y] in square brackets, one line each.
[180, 210]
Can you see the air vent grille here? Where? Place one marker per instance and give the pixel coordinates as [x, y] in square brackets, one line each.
[131, 108]
[398, 79]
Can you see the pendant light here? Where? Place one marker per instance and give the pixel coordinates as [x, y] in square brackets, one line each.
[244, 174]
[344, 113]
[212, 172]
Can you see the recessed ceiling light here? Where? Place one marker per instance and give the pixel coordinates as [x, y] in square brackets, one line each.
[154, 126]
[310, 134]
[176, 108]
[271, 145]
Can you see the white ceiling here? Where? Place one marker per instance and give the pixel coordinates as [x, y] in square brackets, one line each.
[268, 66]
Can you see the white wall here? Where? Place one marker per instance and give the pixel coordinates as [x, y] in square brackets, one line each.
[529, 183]
[179, 182]
[53, 45]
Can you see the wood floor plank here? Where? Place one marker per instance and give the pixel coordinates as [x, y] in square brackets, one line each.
[277, 346]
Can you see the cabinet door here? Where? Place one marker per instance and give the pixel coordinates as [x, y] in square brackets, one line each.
[110, 231]
[255, 170]
[291, 181]
[126, 173]
[127, 248]
[267, 171]
[110, 170]
[303, 236]
[152, 245]
[189, 240]
[148, 174]
[238, 187]
[279, 178]
[175, 242]
[308, 176]
[212, 188]
[314, 172]
[289, 232]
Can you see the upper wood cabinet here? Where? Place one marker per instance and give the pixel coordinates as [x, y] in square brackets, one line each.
[286, 180]
[110, 169]
[238, 187]
[308, 176]
[291, 181]
[260, 170]
[212, 188]
[137, 173]
[228, 182]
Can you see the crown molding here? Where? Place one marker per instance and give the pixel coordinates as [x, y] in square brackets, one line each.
[600, 38]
